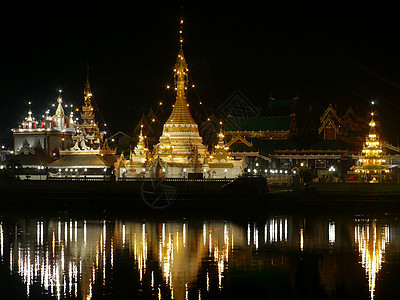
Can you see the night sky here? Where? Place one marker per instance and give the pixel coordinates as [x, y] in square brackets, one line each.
[330, 53]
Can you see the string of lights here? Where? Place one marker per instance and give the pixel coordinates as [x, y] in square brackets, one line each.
[162, 103]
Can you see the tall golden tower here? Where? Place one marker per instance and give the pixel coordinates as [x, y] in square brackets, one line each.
[371, 161]
[180, 152]
[89, 127]
[180, 139]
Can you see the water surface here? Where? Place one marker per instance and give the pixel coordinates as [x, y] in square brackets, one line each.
[291, 255]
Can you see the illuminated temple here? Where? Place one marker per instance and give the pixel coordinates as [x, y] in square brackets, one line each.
[50, 134]
[371, 163]
[180, 151]
[89, 154]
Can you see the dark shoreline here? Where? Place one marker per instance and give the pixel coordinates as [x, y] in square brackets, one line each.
[125, 200]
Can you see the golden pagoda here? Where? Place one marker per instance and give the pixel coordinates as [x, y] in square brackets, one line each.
[180, 145]
[371, 165]
[180, 152]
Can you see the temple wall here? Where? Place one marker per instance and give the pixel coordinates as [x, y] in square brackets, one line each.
[33, 140]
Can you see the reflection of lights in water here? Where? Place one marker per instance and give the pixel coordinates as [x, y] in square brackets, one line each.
[123, 235]
[84, 232]
[184, 235]
[248, 234]
[208, 281]
[277, 229]
[112, 253]
[204, 233]
[255, 236]
[371, 239]
[266, 232]
[331, 232]
[301, 239]
[69, 257]
[286, 230]
[163, 234]
[1, 241]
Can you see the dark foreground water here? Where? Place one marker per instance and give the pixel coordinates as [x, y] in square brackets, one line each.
[293, 254]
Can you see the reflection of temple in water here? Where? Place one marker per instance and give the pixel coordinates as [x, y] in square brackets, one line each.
[372, 239]
[70, 259]
[189, 260]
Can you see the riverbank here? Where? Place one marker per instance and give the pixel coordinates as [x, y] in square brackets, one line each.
[192, 197]
[184, 188]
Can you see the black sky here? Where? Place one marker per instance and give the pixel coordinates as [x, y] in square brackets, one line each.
[326, 53]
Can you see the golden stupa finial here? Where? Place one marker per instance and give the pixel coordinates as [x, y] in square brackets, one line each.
[29, 118]
[59, 111]
[372, 122]
[87, 91]
[181, 113]
[221, 136]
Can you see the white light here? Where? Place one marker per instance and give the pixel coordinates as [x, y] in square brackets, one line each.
[59, 170]
[38, 167]
[331, 233]
[248, 170]
[256, 164]
[163, 169]
[255, 171]
[285, 171]
[85, 170]
[184, 170]
[144, 170]
[204, 170]
[294, 172]
[226, 170]
[66, 169]
[105, 169]
[76, 170]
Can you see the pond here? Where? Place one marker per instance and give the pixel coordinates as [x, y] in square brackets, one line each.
[292, 254]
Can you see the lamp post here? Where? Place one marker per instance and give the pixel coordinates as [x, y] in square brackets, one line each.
[184, 173]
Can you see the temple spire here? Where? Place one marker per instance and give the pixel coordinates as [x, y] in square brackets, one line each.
[87, 92]
[29, 118]
[181, 113]
[60, 111]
